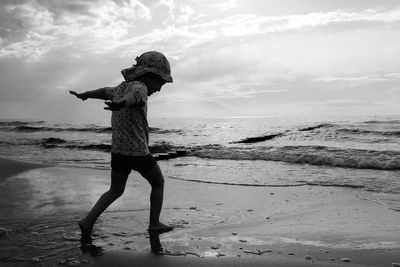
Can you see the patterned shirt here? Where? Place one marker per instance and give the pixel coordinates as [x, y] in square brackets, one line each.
[130, 130]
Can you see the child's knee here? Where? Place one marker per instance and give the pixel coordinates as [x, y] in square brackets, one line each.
[116, 191]
[158, 182]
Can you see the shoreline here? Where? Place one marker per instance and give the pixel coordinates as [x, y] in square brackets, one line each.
[225, 224]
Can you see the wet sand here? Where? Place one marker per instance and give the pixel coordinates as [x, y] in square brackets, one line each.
[215, 225]
[11, 167]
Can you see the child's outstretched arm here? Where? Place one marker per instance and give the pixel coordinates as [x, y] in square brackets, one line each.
[96, 94]
[129, 100]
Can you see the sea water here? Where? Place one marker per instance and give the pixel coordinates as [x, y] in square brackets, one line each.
[362, 153]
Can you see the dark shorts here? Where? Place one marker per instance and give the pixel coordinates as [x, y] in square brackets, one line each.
[125, 164]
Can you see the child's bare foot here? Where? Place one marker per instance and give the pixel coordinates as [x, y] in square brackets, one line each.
[160, 228]
[86, 233]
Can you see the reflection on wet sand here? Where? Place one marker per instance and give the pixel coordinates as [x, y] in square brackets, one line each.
[155, 243]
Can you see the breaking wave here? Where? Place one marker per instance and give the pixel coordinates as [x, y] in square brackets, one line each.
[55, 142]
[315, 155]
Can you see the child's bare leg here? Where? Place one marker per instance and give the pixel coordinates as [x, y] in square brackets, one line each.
[156, 180]
[118, 182]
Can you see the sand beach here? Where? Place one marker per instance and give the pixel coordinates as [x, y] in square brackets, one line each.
[215, 225]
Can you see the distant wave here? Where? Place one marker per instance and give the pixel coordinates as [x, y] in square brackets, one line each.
[262, 138]
[382, 122]
[15, 123]
[311, 128]
[316, 155]
[165, 131]
[361, 131]
[23, 127]
[27, 128]
[250, 140]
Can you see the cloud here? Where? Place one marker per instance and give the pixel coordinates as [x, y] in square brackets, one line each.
[242, 90]
[170, 4]
[227, 5]
[32, 28]
[366, 77]
[176, 39]
[252, 24]
[186, 13]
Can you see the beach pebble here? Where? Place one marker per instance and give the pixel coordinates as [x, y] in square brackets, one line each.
[307, 257]
[216, 246]
[291, 254]
[395, 264]
[331, 259]
[243, 241]
[345, 259]
[74, 263]
[234, 234]
[250, 210]
[35, 260]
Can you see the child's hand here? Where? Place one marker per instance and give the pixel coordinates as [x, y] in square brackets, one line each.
[82, 96]
[114, 105]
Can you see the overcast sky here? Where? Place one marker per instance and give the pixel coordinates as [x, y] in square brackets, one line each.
[228, 58]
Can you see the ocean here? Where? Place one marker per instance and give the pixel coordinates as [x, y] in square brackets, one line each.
[359, 153]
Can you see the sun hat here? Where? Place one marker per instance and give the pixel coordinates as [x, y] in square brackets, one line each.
[152, 61]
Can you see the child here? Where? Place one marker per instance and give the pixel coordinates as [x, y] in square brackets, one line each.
[130, 137]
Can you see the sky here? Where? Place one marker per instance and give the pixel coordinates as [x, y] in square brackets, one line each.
[243, 58]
